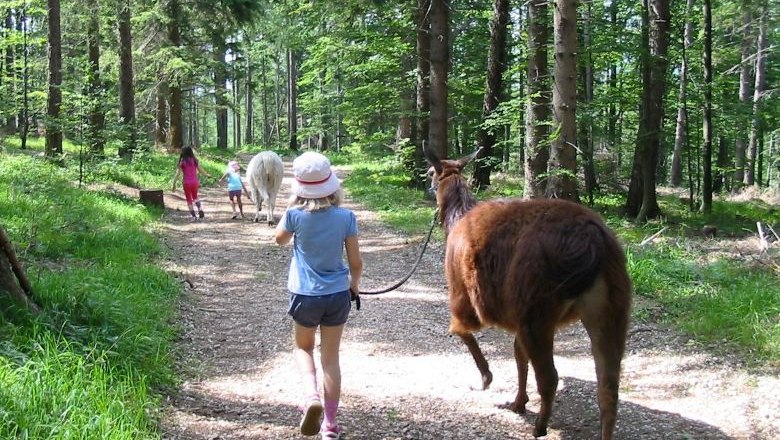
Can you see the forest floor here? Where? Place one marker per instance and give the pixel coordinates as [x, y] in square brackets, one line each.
[404, 376]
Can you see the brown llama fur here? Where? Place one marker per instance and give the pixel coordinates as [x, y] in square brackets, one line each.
[530, 267]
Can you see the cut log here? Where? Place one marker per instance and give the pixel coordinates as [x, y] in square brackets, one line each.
[152, 197]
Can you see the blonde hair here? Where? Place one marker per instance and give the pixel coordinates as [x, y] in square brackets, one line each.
[297, 202]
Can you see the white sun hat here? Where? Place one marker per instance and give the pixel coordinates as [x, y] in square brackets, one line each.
[314, 179]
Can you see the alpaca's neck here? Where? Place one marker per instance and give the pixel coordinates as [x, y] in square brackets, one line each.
[456, 200]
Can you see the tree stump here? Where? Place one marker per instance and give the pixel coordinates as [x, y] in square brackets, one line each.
[153, 197]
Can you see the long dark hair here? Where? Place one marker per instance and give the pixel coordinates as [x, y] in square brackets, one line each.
[187, 154]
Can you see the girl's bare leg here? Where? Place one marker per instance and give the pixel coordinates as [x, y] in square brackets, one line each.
[329, 354]
[304, 357]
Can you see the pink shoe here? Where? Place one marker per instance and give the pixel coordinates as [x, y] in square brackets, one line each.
[312, 414]
[330, 432]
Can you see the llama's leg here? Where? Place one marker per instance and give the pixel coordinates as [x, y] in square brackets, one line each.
[479, 358]
[606, 327]
[271, 207]
[537, 338]
[521, 359]
[258, 203]
[264, 194]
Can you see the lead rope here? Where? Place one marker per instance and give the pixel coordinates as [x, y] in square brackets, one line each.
[398, 284]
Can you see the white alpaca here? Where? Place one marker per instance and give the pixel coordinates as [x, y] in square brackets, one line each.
[264, 173]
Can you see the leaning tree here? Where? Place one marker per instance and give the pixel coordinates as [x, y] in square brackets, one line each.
[13, 280]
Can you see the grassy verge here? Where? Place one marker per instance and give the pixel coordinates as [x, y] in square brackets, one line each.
[90, 365]
[725, 301]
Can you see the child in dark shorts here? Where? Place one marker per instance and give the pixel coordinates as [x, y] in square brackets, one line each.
[235, 186]
[320, 284]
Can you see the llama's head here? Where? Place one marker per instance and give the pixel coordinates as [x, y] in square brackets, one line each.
[452, 195]
[442, 169]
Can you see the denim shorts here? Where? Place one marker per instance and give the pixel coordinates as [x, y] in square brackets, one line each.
[328, 310]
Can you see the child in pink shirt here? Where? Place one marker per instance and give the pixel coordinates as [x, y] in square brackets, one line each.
[189, 168]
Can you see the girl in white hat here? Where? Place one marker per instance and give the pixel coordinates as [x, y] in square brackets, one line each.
[320, 284]
[235, 185]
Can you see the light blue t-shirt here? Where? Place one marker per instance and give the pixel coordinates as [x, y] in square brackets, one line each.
[317, 266]
[233, 181]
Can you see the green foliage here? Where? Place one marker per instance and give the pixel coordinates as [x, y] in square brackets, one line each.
[88, 367]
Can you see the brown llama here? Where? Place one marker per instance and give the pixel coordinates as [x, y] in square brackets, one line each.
[530, 267]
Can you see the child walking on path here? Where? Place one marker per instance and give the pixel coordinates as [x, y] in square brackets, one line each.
[234, 186]
[320, 284]
[189, 167]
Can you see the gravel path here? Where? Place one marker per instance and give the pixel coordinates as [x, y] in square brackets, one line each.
[404, 377]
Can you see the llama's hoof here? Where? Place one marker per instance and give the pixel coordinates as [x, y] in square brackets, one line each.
[517, 406]
[256, 220]
[487, 379]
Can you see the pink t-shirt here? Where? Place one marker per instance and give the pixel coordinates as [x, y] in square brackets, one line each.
[190, 170]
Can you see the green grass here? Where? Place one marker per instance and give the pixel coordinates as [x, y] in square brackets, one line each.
[93, 363]
[723, 301]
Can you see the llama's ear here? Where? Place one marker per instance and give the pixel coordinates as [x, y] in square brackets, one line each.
[463, 161]
[433, 159]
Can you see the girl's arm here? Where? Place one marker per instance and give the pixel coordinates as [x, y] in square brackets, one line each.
[202, 171]
[283, 236]
[245, 191]
[355, 262]
[175, 177]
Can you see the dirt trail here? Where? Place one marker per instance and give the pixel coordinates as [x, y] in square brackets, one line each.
[404, 377]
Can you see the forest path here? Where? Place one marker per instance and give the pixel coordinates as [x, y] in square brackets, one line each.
[404, 377]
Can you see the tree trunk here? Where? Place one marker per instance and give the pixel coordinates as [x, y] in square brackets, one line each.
[743, 109]
[612, 109]
[249, 105]
[13, 279]
[276, 128]
[292, 100]
[54, 101]
[161, 115]
[586, 121]
[176, 123]
[236, 112]
[264, 98]
[642, 202]
[422, 92]
[440, 56]
[24, 122]
[220, 98]
[127, 132]
[675, 177]
[10, 121]
[562, 182]
[537, 151]
[496, 66]
[719, 176]
[758, 92]
[97, 118]
[706, 188]
[195, 122]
